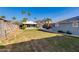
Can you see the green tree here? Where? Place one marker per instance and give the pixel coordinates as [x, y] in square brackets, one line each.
[23, 12]
[47, 22]
[24, 19]
[28, 13]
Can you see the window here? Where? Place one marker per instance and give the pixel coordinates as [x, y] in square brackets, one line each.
[75, 24]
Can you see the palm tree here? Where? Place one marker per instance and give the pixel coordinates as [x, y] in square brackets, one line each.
[28, 13]
[23, 12]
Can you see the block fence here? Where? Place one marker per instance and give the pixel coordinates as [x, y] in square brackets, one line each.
[8, 30]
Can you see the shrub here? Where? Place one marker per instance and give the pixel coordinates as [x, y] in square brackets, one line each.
[68, 32]
[23, 27]
[46, 26]
[60, 31]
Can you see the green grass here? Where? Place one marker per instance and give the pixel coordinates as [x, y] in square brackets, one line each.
[44, 40]
[2, 46]
[66, 43]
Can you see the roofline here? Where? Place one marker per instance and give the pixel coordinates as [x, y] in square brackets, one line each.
[1, 19]
[67, 22]
[4, 20]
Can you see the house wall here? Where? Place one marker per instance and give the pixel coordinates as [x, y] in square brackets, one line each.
[66, 27]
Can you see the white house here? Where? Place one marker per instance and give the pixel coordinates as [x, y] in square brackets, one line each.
[69, 25]
[30, 24]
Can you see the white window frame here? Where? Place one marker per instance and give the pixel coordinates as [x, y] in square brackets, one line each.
[75, 24]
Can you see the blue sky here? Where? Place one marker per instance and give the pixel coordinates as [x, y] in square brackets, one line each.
[55, 13]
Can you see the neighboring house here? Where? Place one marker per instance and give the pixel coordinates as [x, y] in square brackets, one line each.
[70, 25]
[30, 24]
[40, 23]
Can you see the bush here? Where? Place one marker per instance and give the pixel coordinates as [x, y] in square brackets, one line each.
[60, 31]
[46, 26]
[68, 32]
[23, 27]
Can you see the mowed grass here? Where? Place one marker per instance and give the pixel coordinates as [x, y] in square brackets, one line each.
[37, 34]
[35, 40]
[65, 43]
[27, 35]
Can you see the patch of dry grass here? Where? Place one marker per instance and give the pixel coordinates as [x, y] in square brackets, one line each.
[27, 35]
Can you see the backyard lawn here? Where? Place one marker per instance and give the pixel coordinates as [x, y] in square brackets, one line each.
[36, 40]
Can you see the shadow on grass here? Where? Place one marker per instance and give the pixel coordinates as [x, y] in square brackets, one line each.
[45, 31]
[50, 44]
[2, 46]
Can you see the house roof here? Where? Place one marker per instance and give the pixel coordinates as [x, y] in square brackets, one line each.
[4, 20]
[29, 22]
[70, 20]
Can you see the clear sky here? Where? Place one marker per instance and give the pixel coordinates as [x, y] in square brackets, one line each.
[55, 13]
